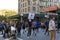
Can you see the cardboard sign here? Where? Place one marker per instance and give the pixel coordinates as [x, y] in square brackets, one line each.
[31, 16]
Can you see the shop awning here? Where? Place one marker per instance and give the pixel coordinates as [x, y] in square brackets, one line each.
[52, 8]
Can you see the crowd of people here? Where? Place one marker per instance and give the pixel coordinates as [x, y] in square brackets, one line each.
[12, 27]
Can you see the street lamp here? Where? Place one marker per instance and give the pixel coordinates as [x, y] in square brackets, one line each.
[21, 17]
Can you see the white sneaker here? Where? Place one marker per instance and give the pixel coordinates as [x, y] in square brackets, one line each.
[28, 37]
[7, 39]
[19, 39]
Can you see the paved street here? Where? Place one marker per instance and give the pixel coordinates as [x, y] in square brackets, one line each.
[40, 36]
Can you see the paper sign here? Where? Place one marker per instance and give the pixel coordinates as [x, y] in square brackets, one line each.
[31, 16]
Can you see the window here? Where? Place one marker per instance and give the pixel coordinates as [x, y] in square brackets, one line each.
[41, 6]
[34, 0]
[43, 0]
[21, 5]
[25, 5]
[25, 9]
[50, 0]
[23, 0]
[21, 10]
[28, 2]
[18, 10]
[38, 10]
[29, 9]
[34, 9]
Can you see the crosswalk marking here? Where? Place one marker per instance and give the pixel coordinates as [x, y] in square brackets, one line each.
[17, 38]
[7, 39]
[1, 35]
[20, 39]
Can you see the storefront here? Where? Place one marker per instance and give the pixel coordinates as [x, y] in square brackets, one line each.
[51, 11]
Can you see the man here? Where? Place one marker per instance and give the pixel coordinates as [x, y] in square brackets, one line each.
[37, 25]
[29, 28]
[18, 26]
[47, 24]
[6, 30]
[58, 25]
[52, 29]
[33, 26]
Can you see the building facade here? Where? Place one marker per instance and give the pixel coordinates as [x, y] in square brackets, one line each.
[49, 3]
[36, 6]
[26, 6]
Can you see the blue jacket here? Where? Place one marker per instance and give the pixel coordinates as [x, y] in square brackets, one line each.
[47, 23]
[37, 24]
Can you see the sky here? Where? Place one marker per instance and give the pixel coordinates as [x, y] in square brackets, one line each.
[9, 4]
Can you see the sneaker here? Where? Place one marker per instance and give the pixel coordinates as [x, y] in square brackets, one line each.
[28, 37]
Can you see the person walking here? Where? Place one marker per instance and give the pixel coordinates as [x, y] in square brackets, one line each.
[58, 25]
[52, 29]
[37, 25]
[29, 28]
[47, 24]
[6, 29]
[18, 26]
[33, 27]
[24, 26]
